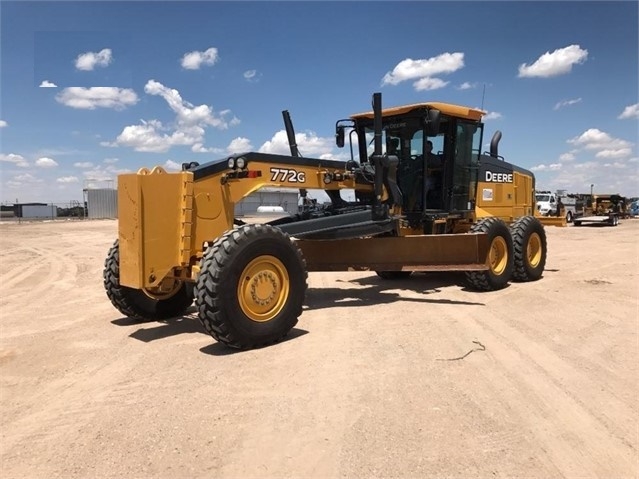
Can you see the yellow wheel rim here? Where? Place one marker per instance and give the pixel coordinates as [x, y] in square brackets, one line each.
[263, 288]
[533, 250]
[498, 256]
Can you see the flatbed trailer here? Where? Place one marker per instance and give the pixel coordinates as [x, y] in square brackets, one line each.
[610, 219]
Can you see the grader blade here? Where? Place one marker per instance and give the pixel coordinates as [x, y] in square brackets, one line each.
[445, 252]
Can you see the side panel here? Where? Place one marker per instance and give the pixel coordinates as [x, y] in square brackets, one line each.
[504, 191]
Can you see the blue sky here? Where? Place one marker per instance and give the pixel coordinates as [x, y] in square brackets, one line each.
[93, 89]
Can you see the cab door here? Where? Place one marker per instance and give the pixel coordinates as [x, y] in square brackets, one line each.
[461, 172]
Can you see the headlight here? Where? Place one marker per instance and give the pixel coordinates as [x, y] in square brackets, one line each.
[231, 163]
[241, 162]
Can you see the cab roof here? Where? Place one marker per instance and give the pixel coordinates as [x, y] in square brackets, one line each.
[449, 109]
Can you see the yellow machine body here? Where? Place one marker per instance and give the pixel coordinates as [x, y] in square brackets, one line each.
[166, 219]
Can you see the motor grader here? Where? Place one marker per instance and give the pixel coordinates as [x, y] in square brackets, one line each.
[415, 208]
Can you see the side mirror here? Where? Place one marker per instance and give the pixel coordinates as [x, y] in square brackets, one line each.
[339, 136]
[432, 122]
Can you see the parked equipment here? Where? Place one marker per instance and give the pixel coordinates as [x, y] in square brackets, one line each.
[454, 208]
[603, 209]
[559, 204]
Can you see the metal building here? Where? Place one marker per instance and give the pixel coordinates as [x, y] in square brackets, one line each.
[102, 203]
[36, 211]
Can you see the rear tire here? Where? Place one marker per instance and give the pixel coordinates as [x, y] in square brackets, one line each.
[251, 286]
[500, 256]
[569, 217]
[577, 223]
[391, 275]
[530, 248]
[141, 304]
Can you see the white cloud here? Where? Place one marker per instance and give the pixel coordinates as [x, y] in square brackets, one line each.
[550, 167]
[89, 60]
[588, 165]
[239, 145]
[171, 165]
[147, 137]
[467, 86]
[564, 103]
[17, 160]
[97, 97]
[48, 84]
[83, 164]
[252, 76]
[620, 153]
[492, 115]
[24, 177]
[193, 60]
[111, 161]
[556, 63]
[3, 124]
[429, 83]
[232, 122]
[570, 156]
[616, 164]
[22, 181]
[409, 69]
[309, 144]
[45, 162]
[594, 139]
[631, 111]
[68, 179]
[200, 148]
[188, 128]
[101, 174]
[187, 114]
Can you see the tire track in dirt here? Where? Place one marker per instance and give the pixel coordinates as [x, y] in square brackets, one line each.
[49, 280]
[18, 272]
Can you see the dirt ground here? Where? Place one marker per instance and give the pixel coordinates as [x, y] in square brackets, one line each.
[366, 385]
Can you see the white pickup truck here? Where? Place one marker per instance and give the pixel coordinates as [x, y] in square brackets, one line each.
[547, 205]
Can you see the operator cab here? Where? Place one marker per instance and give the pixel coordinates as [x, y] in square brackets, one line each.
[438, 147]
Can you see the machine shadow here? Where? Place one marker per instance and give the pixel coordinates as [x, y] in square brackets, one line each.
[219, 349]
[188, 324]
[380, 291]
[153, 330]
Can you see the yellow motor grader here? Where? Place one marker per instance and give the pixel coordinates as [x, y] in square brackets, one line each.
[425, 199]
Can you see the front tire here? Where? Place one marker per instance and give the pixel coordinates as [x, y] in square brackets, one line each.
[143, 305]
[569, 217]
[251, 286]
[530, 248]
[500, 256]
